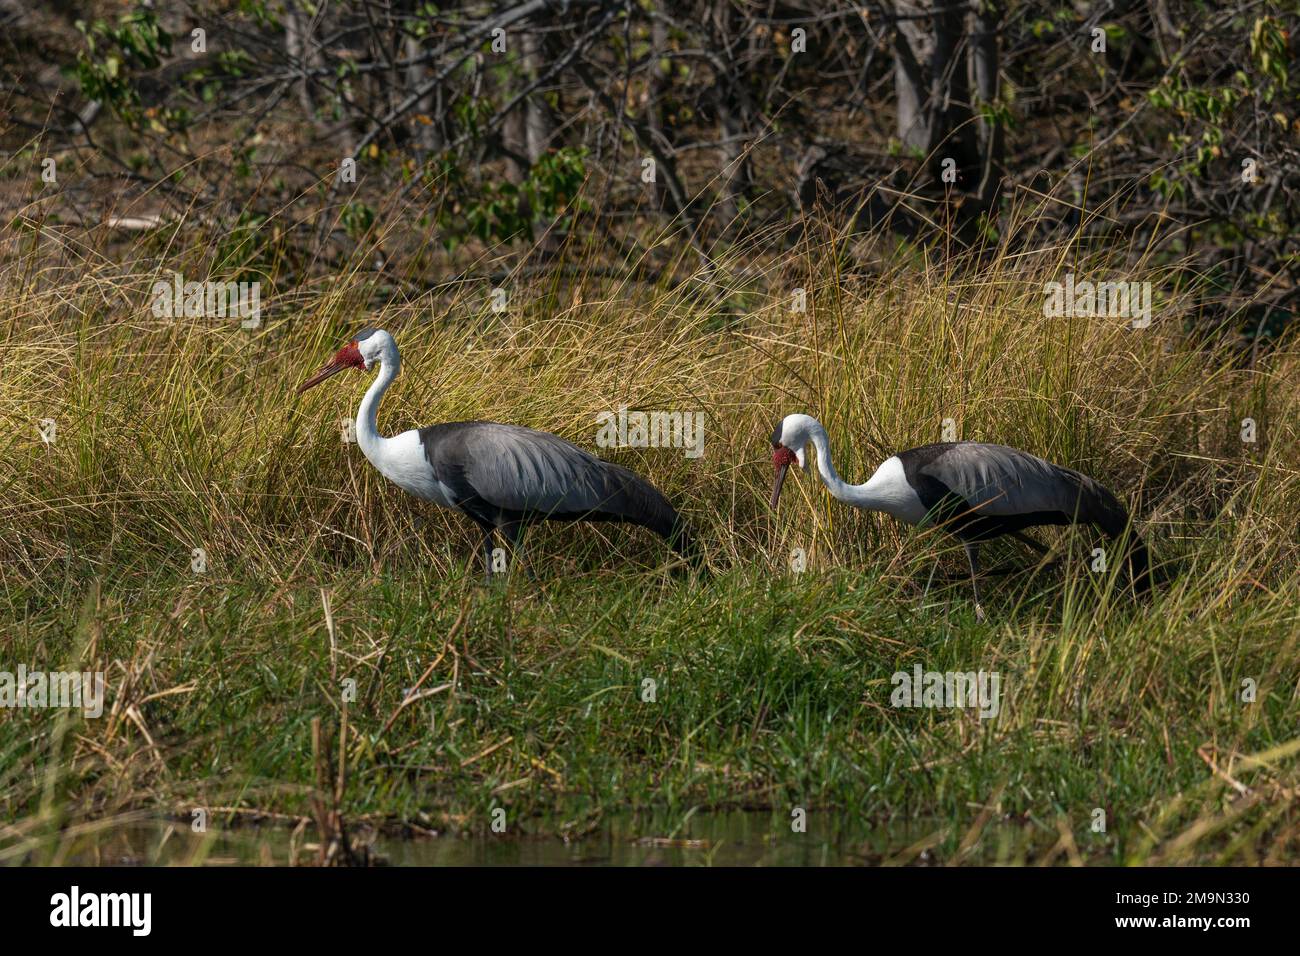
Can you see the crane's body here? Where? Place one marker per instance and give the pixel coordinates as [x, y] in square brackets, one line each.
[503, 477]
[974, 490]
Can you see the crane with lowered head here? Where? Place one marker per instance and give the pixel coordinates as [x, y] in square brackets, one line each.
[973, 490]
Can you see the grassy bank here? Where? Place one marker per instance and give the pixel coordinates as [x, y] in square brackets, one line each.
[771, 689]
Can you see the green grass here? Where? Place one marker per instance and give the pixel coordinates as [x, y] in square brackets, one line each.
[769, 693]
[772, 689]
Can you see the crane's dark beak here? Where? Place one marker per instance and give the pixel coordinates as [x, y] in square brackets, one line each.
[778, 479]
[331, 367]
[782, 459]
[347, 357]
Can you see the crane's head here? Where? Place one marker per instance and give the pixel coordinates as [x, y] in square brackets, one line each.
[368, 347]
[788, 443]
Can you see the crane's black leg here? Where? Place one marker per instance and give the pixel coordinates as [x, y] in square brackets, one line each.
[973, 556]
[1025, 539]
[514, 530]
[485, 548]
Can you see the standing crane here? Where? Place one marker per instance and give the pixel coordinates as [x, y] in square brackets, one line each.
[503, 477]
[973, 490]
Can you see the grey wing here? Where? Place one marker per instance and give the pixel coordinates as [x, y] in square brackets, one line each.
[1001, 482]
[522, 470]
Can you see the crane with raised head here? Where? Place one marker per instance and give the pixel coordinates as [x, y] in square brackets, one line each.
[503, 477]
[974, 490]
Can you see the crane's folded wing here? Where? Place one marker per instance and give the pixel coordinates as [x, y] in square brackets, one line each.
[523, 470]
[1000, 482]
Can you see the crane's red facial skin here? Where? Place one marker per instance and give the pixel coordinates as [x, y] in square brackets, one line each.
[350, 355]
[347, 357]
[782, 458]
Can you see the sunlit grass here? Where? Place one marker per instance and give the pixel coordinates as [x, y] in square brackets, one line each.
[771, 689]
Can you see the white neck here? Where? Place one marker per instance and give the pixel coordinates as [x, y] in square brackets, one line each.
[825, 469]
[859, 496]
[368, 436]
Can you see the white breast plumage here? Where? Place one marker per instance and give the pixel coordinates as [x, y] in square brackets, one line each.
[889, 491]
[401, 460]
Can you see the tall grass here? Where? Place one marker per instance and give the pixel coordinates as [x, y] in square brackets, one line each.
[772, 688]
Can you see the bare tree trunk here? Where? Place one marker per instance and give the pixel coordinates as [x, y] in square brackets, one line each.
[937, 60]
[911, 48]
[732, 121]
[298, 45]
[514, 140]
[984, 56]
[539, 125]
[527, 129]
[948, 108]
[656, 89]
[428, 136]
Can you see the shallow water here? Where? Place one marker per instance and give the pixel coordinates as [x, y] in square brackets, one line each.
[735, 838]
